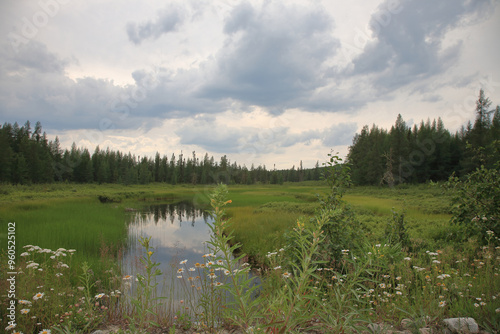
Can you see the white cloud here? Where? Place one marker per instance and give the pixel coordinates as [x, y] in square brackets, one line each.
[271, 81]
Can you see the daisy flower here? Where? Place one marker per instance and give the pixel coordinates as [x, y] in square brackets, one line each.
[38, 295]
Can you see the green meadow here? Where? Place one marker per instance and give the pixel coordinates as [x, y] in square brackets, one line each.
[72, 216]
[377, 282]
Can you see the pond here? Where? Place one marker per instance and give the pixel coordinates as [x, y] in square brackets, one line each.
[178, 232]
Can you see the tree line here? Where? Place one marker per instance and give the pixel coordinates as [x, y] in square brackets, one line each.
[426, 151]
[27, 156]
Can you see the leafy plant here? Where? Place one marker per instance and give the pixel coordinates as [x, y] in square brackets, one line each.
[241, 308]
[144, 299]
[342, 228]
[476, 207]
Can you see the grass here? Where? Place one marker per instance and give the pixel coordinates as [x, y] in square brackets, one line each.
[447, 280]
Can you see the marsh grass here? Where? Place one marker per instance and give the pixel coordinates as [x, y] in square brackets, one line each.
[380, 282]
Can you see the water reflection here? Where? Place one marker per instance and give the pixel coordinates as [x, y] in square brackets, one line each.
[178, 232]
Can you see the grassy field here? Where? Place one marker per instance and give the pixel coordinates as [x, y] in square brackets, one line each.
[68, 216]
[71, 215]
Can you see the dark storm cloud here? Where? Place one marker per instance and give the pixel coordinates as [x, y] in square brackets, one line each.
[168, 20]
[409, 40]
[273, 55]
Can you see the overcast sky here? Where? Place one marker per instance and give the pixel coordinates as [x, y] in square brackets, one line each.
[264, 82]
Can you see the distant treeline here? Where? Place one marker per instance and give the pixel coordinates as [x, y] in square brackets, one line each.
[26, 156]
[426, 151]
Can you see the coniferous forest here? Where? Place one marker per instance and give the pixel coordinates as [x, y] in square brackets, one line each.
[403, 154]
[426, 151]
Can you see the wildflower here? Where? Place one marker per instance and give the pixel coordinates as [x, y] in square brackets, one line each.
[38, 296]
[482, 303]
[476, 305]
[226, 272]
[197, 265]
[212, 275]
[179, 276]
[25, 311]
[25, 254]
[180, 270]
[8, 328]
[278, 267]
[436, 261]
[24, 302]
[32, 265]
[220, 262]
[497, 310]
[183, 262]
[191, 269]
[489, 232]
[127, 277]
[442, 303]
[399, 293]
[45, 331]
[287, 275]
[99, 296]
[407, 258]
[345, 251]
[382, 285]
[210, 263]
[218, 284]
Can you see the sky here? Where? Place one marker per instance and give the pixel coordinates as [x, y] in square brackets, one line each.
[265, 82]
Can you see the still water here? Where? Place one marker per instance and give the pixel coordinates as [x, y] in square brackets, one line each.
[178, 232]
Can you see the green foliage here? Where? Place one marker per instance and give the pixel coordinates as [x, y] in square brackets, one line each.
[396, 232]
[241, 308]
[144, 301]
[426, 151]
[476, 206]
[342, 228]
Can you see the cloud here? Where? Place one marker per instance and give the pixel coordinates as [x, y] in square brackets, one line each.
[273, 55]
[409, 39]
[212, 135]
[168, 20]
